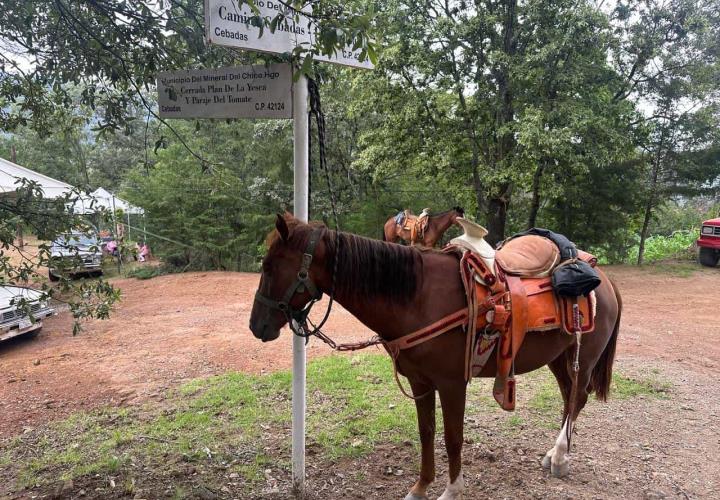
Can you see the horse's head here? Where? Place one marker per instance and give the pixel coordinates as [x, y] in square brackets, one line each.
[457, 212]
[288, 282]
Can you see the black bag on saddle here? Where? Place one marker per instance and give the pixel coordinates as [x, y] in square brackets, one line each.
[572, 277]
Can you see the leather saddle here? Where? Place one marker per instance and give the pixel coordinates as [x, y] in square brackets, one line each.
[516, 281]
[528, 257]
[415, 225]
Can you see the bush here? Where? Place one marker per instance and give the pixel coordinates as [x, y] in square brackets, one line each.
[148, 272]
[678, 245]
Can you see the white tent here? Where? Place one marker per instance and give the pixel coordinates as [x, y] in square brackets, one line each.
[106, 199]
[10, 173]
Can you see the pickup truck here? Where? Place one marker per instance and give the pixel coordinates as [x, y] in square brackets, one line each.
[75, 254]
[709, 243]
[14, 319]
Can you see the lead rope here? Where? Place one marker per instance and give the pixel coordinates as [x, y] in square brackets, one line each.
[316, 111]
[301, 329]
[577, 324]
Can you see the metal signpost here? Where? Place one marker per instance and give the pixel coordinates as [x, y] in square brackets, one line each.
[258, 92]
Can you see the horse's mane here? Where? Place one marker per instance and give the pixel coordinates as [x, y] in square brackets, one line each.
[366, 267]
[453, 209]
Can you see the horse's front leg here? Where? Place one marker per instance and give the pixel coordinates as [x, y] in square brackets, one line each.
[425, 407]
[452, 400]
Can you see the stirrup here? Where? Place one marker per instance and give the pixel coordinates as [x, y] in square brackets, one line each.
[504, 392]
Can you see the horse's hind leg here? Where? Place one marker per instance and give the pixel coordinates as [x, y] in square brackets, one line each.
[453, 409]
[557, 459]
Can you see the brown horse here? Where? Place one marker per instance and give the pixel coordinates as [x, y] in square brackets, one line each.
[436, 227]
[394, 290]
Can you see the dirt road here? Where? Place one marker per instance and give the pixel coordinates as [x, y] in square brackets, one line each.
[173, 328]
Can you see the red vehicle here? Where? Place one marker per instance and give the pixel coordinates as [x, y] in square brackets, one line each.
[709, 243]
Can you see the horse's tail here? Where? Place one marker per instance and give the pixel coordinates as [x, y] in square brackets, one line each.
[601, 376]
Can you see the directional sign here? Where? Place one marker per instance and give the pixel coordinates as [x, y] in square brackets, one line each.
[239, 92]
[232, 23]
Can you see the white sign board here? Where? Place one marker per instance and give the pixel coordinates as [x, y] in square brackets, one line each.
[238, 92]
[232, 23]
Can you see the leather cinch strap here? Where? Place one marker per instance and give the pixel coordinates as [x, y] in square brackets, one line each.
[458, 318]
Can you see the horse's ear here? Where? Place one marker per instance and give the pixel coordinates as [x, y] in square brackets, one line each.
[282, 227]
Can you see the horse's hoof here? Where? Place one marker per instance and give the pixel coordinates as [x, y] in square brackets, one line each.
[412, 496]
[446, 496]
[560, 469]
[547, 458]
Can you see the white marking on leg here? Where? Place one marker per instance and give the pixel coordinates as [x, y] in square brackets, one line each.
[453, 491]
[547, 458]
[560, 462]
[413, 496]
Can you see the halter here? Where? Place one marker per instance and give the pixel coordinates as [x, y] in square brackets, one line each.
[297, 318]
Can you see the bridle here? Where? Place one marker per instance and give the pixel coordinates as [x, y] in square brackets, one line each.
[298, 318]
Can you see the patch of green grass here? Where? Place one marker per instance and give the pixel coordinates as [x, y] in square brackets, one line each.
[353, 404]
[546, 402]
[356, 404]
[625, 387]
[514, 421]
[146, 272]
[180, 493]
[240, 422]
[680, 269]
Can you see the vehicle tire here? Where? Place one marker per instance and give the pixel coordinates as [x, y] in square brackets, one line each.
[708, 257]
[53, 277]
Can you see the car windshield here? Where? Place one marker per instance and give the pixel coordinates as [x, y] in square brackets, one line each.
[76, 240]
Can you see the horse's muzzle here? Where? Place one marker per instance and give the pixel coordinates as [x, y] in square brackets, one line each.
[263, 324]
[263, 330]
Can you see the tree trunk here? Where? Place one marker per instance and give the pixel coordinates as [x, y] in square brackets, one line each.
[497, 205]
[535, 204]
[656, 164]
[648, 211]
[472, 138]
[477, 185]
[496, 218]
[643, 232]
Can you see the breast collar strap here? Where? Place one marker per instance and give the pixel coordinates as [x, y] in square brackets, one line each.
[302, 283]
